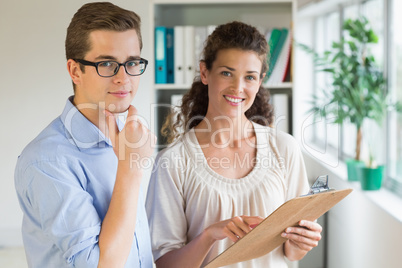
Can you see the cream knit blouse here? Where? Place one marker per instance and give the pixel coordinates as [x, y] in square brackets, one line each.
[185, 195]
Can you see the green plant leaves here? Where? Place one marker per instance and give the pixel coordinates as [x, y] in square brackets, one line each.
[358, 85]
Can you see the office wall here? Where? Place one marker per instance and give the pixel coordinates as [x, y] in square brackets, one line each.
[35, 84]
[359, 232]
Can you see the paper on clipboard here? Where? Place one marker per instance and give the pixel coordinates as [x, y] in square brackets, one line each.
[267, 235]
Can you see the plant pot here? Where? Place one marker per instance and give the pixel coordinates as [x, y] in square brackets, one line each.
[352, 166]
[371, 178]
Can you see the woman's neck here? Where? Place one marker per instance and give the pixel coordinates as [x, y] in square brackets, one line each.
[224, 130]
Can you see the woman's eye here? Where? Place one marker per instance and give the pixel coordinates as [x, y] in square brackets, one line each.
[251, 78]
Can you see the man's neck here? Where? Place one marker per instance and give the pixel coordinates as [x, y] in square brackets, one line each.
[94, 113]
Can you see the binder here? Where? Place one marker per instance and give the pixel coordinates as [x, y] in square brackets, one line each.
[160, 55]
[178, 55]
[170, 55]
[281, 109]
[287, 76]
[278, 38]
[189, 55]
[279, 71]
[267, 235]
[200, 35]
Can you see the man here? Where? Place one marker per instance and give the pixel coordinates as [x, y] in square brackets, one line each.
[80, 195]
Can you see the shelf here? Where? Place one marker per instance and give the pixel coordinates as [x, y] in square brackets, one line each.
[260, 13]
[263, 14]
[209, 2]
[285, 85]
[171, 86]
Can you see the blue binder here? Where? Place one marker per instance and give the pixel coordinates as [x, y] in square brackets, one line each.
[170, 54]
[160, 55]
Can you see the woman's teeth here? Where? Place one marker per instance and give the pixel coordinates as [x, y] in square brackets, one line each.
[233, 99]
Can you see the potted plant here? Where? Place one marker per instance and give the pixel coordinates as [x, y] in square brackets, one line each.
[358, 89]
[370, 175]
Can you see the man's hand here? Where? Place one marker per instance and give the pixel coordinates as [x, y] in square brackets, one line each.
[118, 227]
[135, 141]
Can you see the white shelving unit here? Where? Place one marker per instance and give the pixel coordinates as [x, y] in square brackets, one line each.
[284, 85]
[264, 14]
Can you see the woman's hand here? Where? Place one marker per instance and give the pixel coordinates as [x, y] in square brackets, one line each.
[301, 239]
[194, 253]
[234, 228]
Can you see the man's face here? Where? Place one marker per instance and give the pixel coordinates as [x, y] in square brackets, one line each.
[117, 92]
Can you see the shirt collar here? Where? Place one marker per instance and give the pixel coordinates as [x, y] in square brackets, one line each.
[80, 131]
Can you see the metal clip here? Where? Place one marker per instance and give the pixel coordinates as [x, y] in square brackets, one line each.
[320, 185]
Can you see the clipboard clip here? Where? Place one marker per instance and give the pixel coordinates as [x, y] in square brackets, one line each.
[320, 185]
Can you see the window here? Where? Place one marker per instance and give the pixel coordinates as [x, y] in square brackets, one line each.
[395, 83]
[349, 130]
[328, 31]
[374, 11]
[384, 141]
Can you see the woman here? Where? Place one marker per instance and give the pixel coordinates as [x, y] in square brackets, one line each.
[229, 169]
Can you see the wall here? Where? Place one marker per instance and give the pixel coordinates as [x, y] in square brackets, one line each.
[35, 85]
[359, 232]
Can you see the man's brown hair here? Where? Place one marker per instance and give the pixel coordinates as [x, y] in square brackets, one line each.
[98, 16]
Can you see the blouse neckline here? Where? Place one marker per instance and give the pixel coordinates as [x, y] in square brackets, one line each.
[193, 146]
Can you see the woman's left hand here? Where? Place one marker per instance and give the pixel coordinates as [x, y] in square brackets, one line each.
[301, 239]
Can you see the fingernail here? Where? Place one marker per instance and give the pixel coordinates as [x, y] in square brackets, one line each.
[284, 234]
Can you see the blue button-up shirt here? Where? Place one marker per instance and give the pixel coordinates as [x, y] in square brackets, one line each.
[64, 181]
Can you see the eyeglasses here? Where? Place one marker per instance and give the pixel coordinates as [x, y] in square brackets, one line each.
[109, 68]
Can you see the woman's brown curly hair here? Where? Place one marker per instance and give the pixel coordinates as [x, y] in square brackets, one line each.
[195, 102]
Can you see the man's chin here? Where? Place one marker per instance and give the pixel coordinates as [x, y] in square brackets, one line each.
[117, 109]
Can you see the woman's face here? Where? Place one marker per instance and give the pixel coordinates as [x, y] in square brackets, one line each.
[233, 82]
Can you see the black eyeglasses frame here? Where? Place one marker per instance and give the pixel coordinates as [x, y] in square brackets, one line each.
[95, 64]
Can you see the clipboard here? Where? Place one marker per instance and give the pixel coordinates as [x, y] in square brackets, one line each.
[267, 235]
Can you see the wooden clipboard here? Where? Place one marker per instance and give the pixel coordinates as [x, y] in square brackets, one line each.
[267, 235]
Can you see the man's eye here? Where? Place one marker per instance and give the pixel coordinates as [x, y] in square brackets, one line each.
[105, 64]
[225, 73]
[132, 63]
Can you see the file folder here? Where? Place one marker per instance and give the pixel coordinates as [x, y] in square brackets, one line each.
[282, 60]
[160, 55]
[189, 55]
[170, 55]
[179, 55]
[200, 36]
[276, 42]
